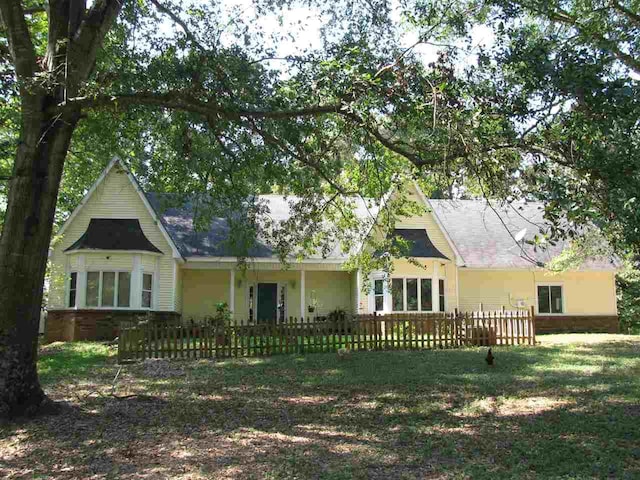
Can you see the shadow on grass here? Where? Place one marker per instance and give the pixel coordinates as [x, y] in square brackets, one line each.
[554, 411]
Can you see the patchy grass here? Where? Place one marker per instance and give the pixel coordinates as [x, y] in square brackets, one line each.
[566, 409]
[60, 362]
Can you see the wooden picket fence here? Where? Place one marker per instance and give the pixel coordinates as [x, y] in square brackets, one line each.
[297, 336]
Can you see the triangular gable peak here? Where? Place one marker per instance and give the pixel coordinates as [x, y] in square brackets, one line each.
[103, 208]
[428, 221]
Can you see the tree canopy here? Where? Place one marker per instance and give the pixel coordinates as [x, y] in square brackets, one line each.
[196, 97]
[322, 101]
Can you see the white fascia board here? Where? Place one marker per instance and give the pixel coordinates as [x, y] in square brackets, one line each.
[538, 269]
[112, 252]
[263, 260]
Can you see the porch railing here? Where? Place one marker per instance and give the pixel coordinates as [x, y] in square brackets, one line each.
[298, 336]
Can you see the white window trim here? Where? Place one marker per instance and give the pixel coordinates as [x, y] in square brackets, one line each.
[564, 299]
[115, 297]
[404, 299]
[153, 289]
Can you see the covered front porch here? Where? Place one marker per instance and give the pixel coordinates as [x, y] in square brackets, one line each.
[265, 292]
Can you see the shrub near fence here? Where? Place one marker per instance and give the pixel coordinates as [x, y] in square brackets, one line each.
[361, 332]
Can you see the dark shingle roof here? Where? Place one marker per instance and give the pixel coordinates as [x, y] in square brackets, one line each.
[114, 234]
[484, 236]
[420, 243]
[216, 242]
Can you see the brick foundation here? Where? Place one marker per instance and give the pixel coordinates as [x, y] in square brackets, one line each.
[73, 325]
[577, 324]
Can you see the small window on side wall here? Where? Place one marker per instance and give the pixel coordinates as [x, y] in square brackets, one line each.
[550, 299]
[441, 294]
[73, 288]
[147, 290]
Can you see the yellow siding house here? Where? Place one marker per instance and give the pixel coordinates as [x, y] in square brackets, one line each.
[122, 255]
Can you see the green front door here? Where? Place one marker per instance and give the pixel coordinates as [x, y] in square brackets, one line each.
[267, 302]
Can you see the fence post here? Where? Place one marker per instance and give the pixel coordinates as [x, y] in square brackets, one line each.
[532, 324]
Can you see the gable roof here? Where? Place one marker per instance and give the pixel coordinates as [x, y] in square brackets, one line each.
[484, 236]
[114, 234]
[480, 235]
[134, 182]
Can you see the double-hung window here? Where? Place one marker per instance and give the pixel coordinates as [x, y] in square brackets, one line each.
[73, 289]
[550, 299]
[414, 294]
[108, 289]
[378, 294]
[147, 290]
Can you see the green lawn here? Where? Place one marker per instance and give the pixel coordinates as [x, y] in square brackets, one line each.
[567, 409]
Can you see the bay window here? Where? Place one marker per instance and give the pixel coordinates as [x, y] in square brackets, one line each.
[415, 294]
[108, 289]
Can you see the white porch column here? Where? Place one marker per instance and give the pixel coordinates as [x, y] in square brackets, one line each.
[302, 295]
[435, 287]
[232, 291]
[81, 288]
[135, 294]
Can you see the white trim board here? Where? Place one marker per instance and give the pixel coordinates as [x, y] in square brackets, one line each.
[112, 252]
[265, 260]
[536, 270]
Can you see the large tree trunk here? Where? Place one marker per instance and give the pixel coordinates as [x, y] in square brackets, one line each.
[74, 37]
[23, 253]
